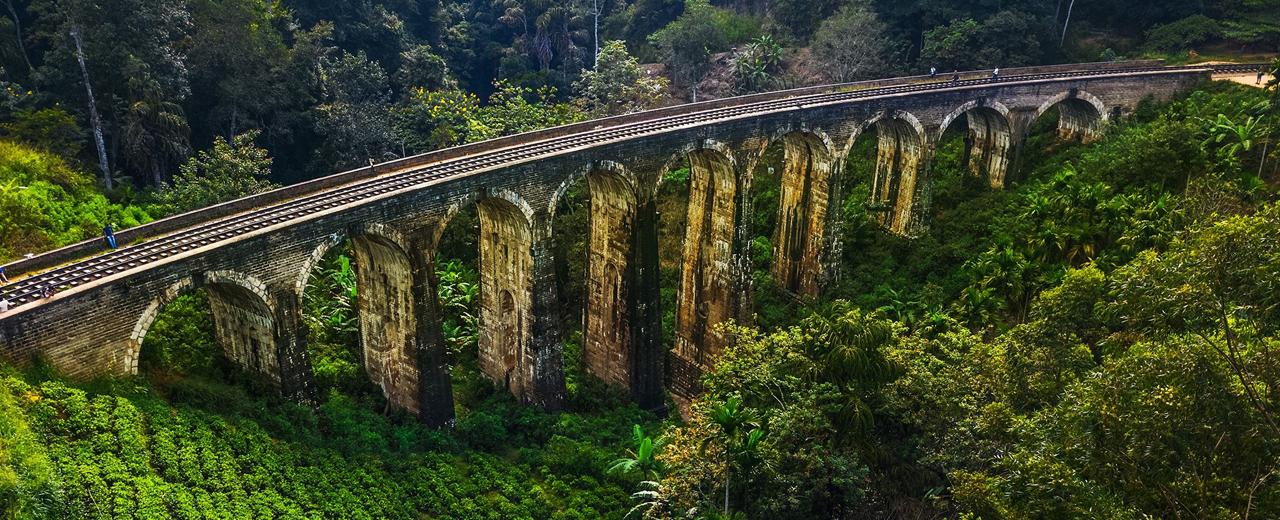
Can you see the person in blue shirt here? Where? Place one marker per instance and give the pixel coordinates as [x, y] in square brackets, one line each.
[3, 278]
[110, 235]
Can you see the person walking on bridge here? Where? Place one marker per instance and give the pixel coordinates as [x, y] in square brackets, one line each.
[995, 75]
[4, 304]
[955, 76]
[3, 278]
[933, 72]
[109, 235]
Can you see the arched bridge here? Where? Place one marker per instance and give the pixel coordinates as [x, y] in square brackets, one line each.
[254, 256]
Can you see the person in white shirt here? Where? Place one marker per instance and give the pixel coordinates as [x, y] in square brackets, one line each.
[4, 305]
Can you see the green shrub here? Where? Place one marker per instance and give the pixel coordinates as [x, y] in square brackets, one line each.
[1183, 34]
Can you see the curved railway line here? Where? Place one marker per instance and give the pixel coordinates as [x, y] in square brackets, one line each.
[28, 290]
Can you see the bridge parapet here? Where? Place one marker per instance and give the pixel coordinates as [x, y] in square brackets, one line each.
[95, 324]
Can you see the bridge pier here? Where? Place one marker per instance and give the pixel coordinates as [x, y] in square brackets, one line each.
[435, 384]
[606, 331]
[388, 328]
[621, 341]
[900, 188]
[799, 235]
[713, 286]
[1078, 120]
[297, 380]
[244, 324]
[990, 140]
[506, 296]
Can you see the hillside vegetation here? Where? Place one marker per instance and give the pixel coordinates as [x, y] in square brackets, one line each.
[1095, 341]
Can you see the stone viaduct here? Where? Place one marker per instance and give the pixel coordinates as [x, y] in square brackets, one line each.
[254, 274]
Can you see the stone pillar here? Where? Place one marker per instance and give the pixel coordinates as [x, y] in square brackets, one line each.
[435, 384]
[900, 189]
[545, 355]
[297, 380]
[991, 139]
[798, 237]
[715, 276]
[645, 310]
[506, 296]
[606, 341]
[388, 328]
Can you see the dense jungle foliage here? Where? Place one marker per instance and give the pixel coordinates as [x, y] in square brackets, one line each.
[1093, 341]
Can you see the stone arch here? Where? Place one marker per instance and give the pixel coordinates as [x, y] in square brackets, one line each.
[517, 202]
[993, 105]
[506, 268]
[989, 141]
[1080, 114]
[816, 136]
[243, 318]
[598, 166]
[309, 264]
[685, 151]
[143, 325]
[450, 213]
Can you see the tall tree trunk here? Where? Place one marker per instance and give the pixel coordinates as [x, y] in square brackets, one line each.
[94, 120]
[17, 26]
[156, 177]
[1066, 23]
[114, 151]
[595, 28]
[726, 491]
[1264, 159]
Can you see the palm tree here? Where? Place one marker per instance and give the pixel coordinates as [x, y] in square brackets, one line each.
[733, 418]
[643, 458]
[155, 130]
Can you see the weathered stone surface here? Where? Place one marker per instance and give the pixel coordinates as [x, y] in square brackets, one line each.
[709, 292]
[255, 280]
[506, 296]
[606, 336]
[388, 325]
[798, 239]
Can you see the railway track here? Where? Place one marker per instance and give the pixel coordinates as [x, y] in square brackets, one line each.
[28, 290]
